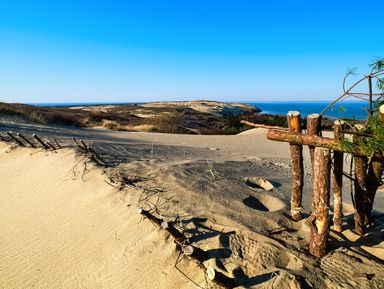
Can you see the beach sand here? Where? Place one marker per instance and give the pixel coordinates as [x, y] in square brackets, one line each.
[67, 223]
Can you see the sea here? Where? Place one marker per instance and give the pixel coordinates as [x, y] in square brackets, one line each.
[345, 109]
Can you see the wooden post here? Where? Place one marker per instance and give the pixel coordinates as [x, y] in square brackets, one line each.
[26, 140]
[40, 141]
[375, 171]
[360, 189]
[195, 253]
[175, 233]
[150, 217]
[293, 118]
[220, 278]
[338, 161]
[15, 139]
[50, 145]
[319, 220]
[313, 128]
[57, 143]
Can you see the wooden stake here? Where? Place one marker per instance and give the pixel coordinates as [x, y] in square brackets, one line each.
[175, 233]
[375, 171]
[57, 143]
[319, 220]
[338, 162]
[313, 128]
[50, 145]
[150, 217]
[15, 139]
[294, 126]
[220, 278]
[360, 189]
[31, 144]
[40, 141]
[195, 253]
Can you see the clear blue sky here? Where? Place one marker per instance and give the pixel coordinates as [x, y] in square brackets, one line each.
[127, 51]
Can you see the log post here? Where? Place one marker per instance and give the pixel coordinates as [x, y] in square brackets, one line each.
[150, 217]
[360, 188]
[15, 139]
[26, 140]
[293, 118]
[50, 145]
[375, 171]
[338, 161]
[220, 278]
[57, 143]
[195, 253]
[175, 233]
[40, 141]
[313, 128]
[319, 220]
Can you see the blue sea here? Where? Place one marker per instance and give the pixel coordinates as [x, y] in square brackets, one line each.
[355, 109]
[351, 109]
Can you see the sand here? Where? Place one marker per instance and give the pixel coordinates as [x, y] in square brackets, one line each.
[66, 223]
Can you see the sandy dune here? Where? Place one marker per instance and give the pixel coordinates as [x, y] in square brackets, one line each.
[65, 224]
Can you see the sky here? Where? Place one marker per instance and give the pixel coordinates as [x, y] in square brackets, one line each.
[229, 50]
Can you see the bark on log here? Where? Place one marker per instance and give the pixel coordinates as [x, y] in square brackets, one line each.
[338, 162]
[175, 233]
[317, 141]
[360, 189]
[15, 139]
[195, 253]
[313, 128]
[220, 278]
[375, 171]
[150, 217]
[31, 144]
[40, 141]
[319, 220]
[294, 126]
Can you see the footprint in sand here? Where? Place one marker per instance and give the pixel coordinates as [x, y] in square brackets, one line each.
[264, 203]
